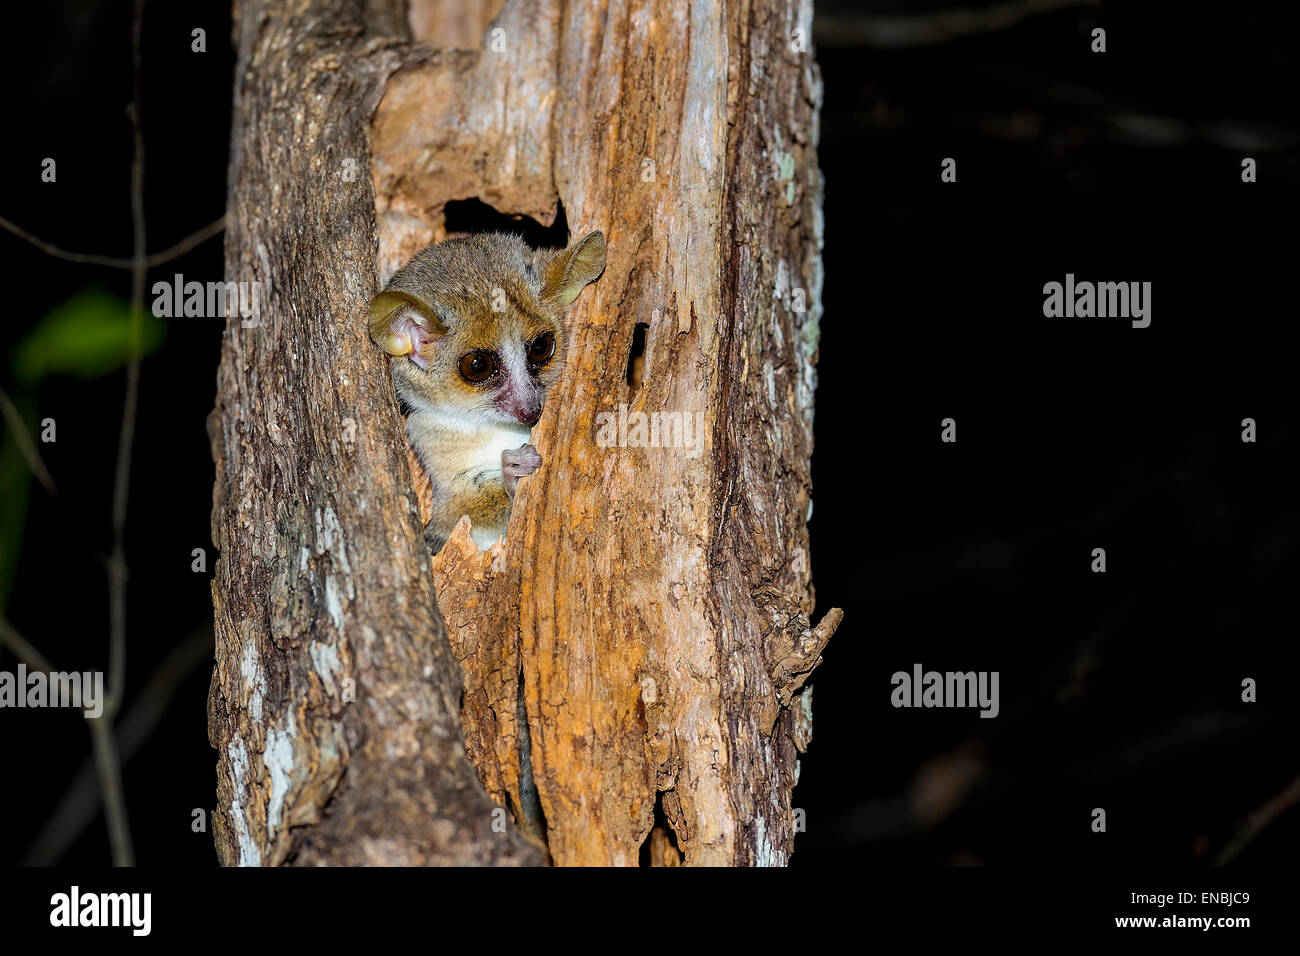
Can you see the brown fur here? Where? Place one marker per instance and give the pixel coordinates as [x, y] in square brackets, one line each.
[488, 293]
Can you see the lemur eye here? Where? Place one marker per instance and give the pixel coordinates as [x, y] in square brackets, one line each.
[541, 349]
[478, 366]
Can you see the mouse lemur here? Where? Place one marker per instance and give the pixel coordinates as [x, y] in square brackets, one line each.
[477, 333]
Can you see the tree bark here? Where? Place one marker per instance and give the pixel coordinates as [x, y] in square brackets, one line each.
[652, 602]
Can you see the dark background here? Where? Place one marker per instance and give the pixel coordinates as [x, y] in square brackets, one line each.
[1119, 691]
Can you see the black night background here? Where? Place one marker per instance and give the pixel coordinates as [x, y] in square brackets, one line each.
[1119, 690]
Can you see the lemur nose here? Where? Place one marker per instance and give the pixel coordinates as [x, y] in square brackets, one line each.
[533, 418]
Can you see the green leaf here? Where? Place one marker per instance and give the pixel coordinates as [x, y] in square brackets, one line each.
[85, 336]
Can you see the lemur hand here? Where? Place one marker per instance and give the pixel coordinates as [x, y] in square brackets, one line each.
[518, 463]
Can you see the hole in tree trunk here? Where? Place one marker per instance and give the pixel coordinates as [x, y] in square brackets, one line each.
[636, 357]
[474, 215]
[660, 846]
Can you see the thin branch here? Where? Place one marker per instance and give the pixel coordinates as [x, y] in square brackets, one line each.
[22, 648]
[105, 749]
[78, 806]
[927, 29]
[101, 736]
[49, 249]
[214, 228]
[1259, 821]
[130, 404]
[82, 800]
[106, 757]
[23, 439]
[110, 784]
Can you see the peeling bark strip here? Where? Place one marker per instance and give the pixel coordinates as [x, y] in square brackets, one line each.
[655, 601]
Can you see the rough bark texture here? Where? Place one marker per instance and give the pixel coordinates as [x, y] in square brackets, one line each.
[322, 592]
[655, 601]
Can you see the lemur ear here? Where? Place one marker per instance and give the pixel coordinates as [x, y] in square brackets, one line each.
[570, 271]
[401, 324]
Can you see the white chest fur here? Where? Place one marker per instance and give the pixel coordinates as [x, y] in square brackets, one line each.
[473, 446]
[489, 446]
[492, 441]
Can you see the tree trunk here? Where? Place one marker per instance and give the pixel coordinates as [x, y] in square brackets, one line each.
[650, 603]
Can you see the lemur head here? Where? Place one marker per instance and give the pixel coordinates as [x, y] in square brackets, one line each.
[477, 324]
